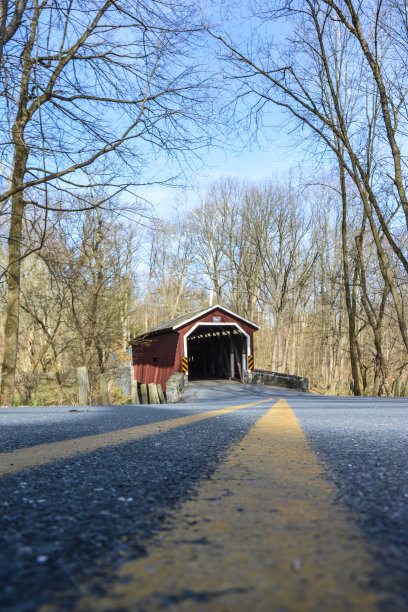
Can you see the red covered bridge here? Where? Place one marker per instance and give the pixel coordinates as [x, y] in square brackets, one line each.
[206, 343]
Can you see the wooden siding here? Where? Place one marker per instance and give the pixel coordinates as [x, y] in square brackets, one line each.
[164, 348]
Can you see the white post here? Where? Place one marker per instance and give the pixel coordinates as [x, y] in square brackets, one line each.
[244, 363]
[133, 392]
[143, 392]
[153, 394]
[232, 364]
[103, 385]
[83, 386]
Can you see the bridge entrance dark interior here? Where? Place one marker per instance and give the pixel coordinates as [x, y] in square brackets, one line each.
[216, 352]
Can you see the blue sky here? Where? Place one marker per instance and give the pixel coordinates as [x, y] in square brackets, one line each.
[273, 160]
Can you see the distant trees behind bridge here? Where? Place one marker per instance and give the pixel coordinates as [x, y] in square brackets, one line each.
[275, 253]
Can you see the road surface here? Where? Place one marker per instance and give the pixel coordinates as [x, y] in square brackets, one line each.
[240, 498]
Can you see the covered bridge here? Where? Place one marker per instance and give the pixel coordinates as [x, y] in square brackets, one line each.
[207, 343]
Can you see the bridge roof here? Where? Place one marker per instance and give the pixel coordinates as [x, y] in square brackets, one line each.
[181, 320]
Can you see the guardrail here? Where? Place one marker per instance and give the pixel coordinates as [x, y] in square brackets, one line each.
[277, 379]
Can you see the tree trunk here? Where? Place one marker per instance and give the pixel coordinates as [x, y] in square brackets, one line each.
[13, 283]
[350, 303]
[374, 321]
[275, 342]
[21, 152]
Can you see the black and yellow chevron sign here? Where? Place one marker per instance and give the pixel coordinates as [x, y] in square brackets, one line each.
[184, 364]
[250, 362]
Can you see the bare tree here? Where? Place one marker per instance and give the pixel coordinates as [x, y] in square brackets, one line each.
[206, 226]
[340, 73]
[11, 14]
[92, 94]
[170, 291]
[79, 296]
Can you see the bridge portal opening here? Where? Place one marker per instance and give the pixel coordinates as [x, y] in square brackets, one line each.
[217, 352]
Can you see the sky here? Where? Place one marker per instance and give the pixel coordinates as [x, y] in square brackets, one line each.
[273, 160]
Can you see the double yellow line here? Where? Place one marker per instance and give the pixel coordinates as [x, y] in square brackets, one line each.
[263, 534]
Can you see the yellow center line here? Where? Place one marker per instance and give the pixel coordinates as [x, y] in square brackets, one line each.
[34, 456]
[263, 534]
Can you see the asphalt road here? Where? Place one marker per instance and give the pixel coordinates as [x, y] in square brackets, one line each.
[295, 505]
